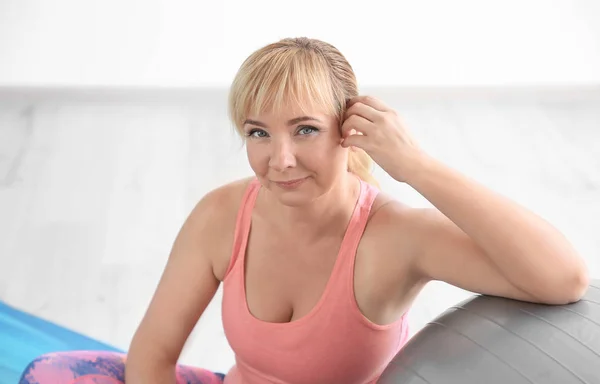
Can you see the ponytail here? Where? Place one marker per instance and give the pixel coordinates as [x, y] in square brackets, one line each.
[360, 163]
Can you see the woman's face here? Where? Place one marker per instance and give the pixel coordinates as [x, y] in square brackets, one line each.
[295, 155]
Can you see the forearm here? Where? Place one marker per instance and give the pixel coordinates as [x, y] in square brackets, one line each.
[148, 367]
[529, 252]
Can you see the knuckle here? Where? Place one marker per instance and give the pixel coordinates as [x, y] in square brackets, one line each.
[353, 108]
[390, 117]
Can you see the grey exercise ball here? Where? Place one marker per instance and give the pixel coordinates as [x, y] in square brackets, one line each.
[491, 340]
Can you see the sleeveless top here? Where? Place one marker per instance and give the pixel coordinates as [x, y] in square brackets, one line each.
[333, 343]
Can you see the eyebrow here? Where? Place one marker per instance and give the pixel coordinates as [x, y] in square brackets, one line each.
[293, 121]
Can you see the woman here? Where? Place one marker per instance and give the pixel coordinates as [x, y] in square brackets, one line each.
[318, 267]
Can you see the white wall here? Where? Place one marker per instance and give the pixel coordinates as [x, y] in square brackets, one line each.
[196, 43]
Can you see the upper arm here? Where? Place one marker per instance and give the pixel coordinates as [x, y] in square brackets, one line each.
[443, 252]
[188, 282]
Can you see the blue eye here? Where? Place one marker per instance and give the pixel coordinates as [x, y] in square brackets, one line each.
[308, 129]
[256, 133]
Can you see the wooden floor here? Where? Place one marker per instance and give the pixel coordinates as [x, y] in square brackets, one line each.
[93, 189]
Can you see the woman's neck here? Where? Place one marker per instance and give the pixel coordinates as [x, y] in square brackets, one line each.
[313, 219]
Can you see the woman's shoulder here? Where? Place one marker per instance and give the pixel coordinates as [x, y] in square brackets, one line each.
[395, 220]
[386, 254]
[218, 210]
[389, 229]
[388, 212]
[228, 195]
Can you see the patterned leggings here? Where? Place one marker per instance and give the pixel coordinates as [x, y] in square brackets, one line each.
[93, 367]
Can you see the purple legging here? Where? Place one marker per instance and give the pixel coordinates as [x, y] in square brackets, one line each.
[93, 367]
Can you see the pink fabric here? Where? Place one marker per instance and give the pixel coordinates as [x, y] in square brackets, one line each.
[334, 343]
[97, 367]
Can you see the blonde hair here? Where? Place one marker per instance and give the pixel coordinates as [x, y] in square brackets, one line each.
[297, 69]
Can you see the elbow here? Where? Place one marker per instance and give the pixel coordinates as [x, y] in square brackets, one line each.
[578, 285]
[561, 284]
[569, 289]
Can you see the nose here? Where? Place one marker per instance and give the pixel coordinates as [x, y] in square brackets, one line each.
[282, 155]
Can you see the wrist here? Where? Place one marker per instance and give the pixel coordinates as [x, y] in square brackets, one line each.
[419, 165]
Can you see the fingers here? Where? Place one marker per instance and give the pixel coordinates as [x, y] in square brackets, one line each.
[363, 110]
[362, 115]
[356, 124]
[355, 141]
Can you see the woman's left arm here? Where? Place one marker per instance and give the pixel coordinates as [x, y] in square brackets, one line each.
[476, 233]
[476, 239]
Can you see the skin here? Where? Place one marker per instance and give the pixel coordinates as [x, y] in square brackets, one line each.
[484, 243]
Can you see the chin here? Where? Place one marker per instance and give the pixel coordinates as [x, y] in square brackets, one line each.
[295, 196]
[297, 199]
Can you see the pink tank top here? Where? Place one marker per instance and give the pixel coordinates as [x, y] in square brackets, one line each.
[333, 343]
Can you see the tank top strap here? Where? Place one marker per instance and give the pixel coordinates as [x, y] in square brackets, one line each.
[242, 224]
[357, 225]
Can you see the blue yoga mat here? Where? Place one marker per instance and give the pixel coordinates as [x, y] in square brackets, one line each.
[23, 337]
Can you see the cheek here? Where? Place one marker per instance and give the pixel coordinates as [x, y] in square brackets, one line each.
[257, 158]
[325, 154]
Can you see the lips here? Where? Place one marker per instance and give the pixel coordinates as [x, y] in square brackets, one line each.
[290, 184]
